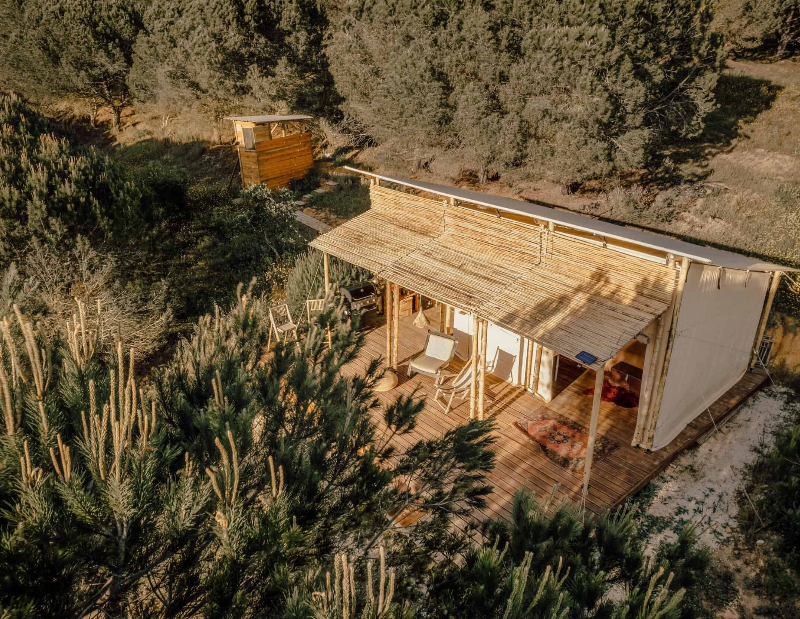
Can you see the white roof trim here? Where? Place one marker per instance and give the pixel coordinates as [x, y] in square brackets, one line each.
[274, 118]
[693, 251]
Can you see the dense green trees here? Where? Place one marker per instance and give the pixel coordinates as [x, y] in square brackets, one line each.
[74, 49]
[221, 57]
[54, 188]
[573, 89]
[761, 26]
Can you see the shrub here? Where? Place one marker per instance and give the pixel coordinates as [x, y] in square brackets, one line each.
[52, 279]
[306, 280]
[761, 26]
[54, 188]
[572, 89]
[768, 507]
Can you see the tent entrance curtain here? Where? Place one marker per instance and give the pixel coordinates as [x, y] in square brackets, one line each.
[570, 295]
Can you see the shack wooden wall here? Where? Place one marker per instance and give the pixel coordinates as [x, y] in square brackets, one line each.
[275, 162]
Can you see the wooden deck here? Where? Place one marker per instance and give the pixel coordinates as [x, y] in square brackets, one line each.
[521, 462]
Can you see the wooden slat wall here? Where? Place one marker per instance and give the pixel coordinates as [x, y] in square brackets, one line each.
[275, 162]
[567, 293]
[249, 162]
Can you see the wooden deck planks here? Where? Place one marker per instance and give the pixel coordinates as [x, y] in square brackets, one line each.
[519, 462]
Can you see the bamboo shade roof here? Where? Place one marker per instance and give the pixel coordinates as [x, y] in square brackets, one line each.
[606, 229]
[564, 292]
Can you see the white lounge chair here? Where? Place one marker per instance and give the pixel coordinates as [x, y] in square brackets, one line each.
[438, 352]
[453, 385]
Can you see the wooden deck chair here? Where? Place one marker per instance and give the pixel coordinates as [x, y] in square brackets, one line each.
[438, 352]
[314, 305]
[281, 323]
[453, 385]
[317, 306]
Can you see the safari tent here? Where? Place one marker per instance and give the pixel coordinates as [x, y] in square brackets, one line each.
[532, 294]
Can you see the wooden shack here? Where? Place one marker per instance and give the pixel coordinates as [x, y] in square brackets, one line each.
[273, 149]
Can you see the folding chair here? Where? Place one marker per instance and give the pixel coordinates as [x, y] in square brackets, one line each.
[453, 385]
[281, 323]
[314, 305]
[317, 306]
[438, 352]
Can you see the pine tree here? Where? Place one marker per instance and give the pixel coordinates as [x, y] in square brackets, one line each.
[221, 489]
[80, 49]
[221, 57]
[52, 187]
[569, 89]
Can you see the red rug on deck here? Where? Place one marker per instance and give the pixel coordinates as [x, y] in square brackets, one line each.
[618, 395]
[563, 440]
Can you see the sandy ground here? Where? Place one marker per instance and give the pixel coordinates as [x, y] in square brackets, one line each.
[700, 486]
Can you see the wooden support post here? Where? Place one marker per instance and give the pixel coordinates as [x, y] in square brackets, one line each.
[587, 463]
[762, 324]
[537, 366]
[668, 344]
[387, 310]
[395, 323]
[482, 384]
[642, 418]
[326, 265]
[474, 362]
[526, 383]
[450, 319]
[442, 317]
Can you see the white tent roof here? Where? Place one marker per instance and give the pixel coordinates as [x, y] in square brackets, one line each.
[700, 253]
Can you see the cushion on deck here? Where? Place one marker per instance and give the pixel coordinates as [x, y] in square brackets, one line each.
[426, 364]
[440, 347]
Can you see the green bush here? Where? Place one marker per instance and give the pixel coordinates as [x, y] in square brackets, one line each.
[761, 26]
[306, 279]
[53, 187]
[570, 89]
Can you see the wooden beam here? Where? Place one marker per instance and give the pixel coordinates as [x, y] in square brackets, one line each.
[762, 324]
[482, 384]
[654, 350]
[587, 463]
[526, 383]
[395, 323]
[387, 310]
[326, 262]
[474, 362]
[442, 316]
[675, 308]
[537, 366]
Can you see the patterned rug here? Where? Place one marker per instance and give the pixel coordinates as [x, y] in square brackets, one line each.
[563, 440]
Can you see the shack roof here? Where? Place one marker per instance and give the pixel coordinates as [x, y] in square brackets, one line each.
[643, 238]
[270, 118]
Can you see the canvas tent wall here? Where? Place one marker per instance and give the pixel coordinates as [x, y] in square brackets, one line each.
[716, 328]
